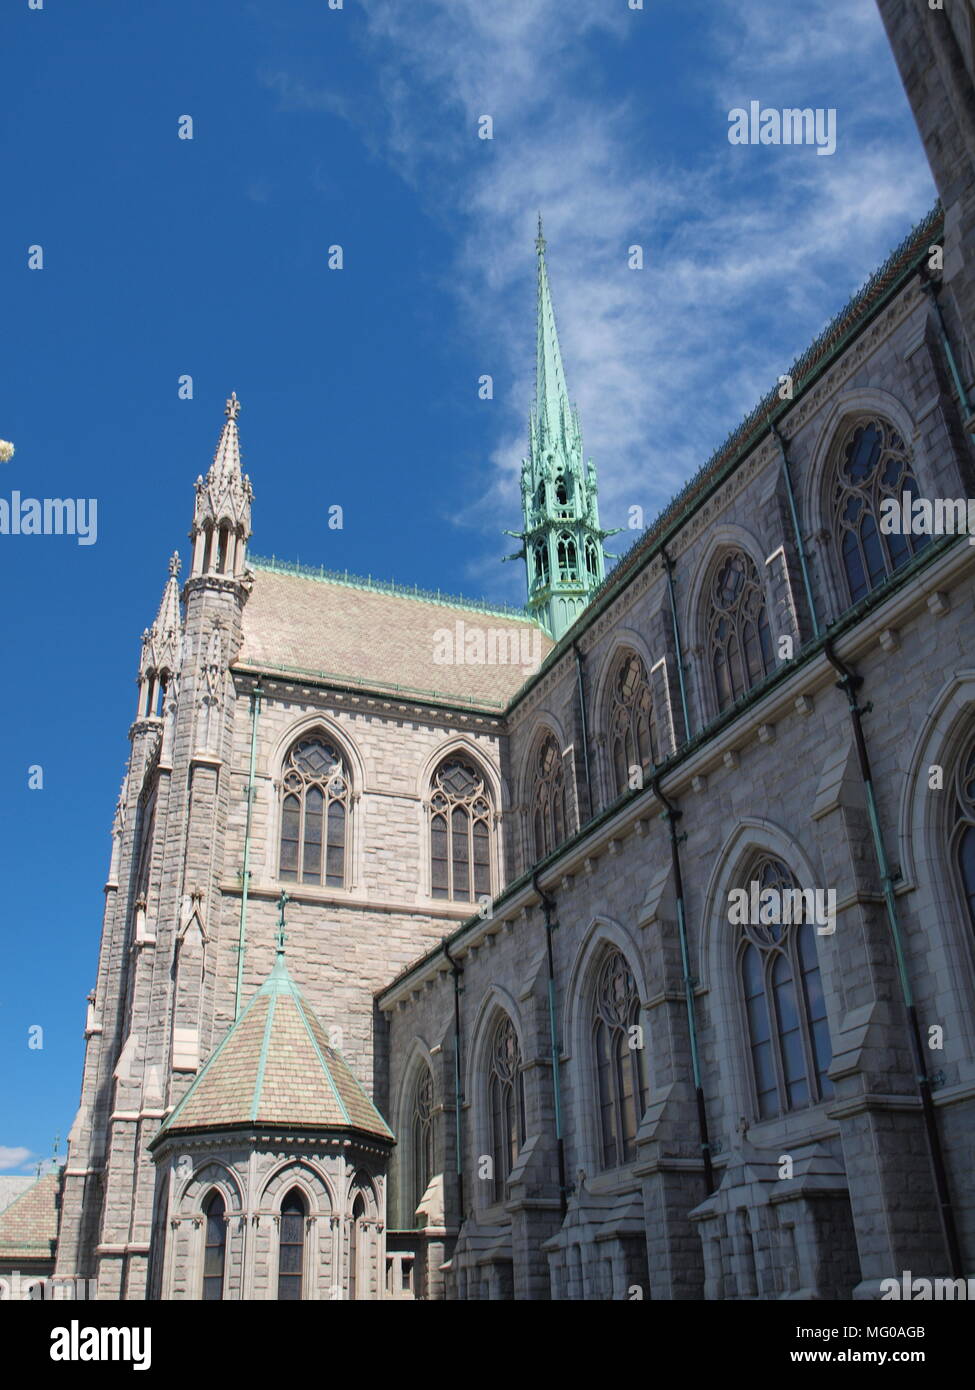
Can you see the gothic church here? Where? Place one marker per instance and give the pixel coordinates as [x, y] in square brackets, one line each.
[418, 978]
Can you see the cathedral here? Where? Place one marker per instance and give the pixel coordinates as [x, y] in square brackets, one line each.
[621, 946]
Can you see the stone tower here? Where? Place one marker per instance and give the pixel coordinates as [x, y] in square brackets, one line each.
[563, 543]
[150, 1016]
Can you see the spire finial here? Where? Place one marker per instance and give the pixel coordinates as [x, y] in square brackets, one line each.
[281, 903]
[174, 564]
[540, 239]
[232, 408]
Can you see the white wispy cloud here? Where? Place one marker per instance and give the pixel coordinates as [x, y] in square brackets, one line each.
[748, 252]
[13, 1157]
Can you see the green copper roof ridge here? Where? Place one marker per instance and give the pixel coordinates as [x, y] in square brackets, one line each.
[265, 1046]
[210, 1061]
[367, 584]
[300, 1004]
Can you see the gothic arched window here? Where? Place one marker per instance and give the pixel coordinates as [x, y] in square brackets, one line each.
[548, 801]
[566, 556]
[617, 1039]
[315, 813]
[963, 833]
[540, 552]
[460, 832]
[873, 465]
[358, 1213]
[592, 559]
[214, 1247]
[785, 1011]
[506, 1103]
[422, 1135]
[632, 726]
[291, 1246]
[739, 637]
[563, 494]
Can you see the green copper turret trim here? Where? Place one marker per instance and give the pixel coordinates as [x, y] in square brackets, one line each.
[562, 540]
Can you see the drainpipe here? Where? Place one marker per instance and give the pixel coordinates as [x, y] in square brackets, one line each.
[931, 290]
[458, 1097]
[256, 694]
[796, 530]
[583, 725]
[669, 566]
[672, 815]
[548, 907]
[848, 683]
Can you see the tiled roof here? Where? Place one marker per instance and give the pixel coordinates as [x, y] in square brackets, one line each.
[29, 1225]
[383, 638]
[275, 1067]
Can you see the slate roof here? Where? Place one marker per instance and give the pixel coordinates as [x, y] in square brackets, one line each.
[275, 1067]
[360, 632]
[29, 1225]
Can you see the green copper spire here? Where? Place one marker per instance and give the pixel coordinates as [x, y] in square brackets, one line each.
[563, 542]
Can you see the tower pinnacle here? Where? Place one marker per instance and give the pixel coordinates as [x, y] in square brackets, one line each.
[563, 542]
[222, 519]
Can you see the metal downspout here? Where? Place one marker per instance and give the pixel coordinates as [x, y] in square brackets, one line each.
[458, 1096]
[796, 530]
[669, 566]
[548, 907]
[848, 683]
[256, 694]
[672, 815]
[583, 725]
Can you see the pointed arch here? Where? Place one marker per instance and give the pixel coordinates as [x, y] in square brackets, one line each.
[927, 825]
[628, 721]
[314, 1184]
[612, 1077]
[869, 463]
[496, 1084]
[214, 1245]
[190, 1191]
[460, 804]
[547, 794]
[719, 967]
[316, 802]
[417, 1117]
[725, 540]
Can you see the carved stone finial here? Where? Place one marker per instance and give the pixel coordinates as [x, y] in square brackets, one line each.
[174, 564]
[232, 408]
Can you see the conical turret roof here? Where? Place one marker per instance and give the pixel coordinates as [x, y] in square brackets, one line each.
[276, 1067]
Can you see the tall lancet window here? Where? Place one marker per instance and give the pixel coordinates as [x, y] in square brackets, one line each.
[592, 559]
[963, 833]
[632, 726]
[291, 1246]
[540, 553]
[739, 637]
[548, 805]
[506, 1103]
[356, 1284]
[873, 465]
[315, 813]
[214, 1246]
[784, 1006]
[617, 1039]
[567, 558]
[460, 832]
[422, 1136]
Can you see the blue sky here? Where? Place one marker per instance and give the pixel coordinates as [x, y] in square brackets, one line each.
[358, 127]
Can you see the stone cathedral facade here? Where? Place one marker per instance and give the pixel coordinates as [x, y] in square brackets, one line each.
[622, 946]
